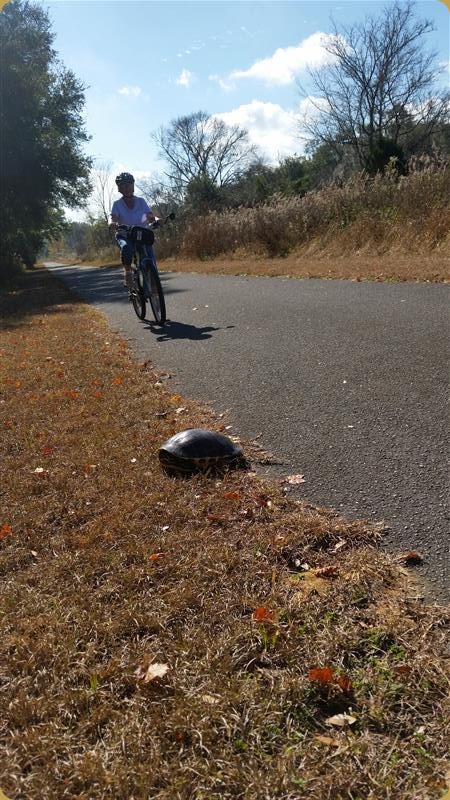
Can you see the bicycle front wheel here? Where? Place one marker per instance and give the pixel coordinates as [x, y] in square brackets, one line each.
[153, 291]
[138, 297]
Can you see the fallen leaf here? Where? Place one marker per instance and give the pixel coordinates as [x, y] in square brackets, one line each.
[156, 556]
[341, 720]
[338, 546]
[47, 451]
[180, 410]
[294, 479]
[40, 470]
[326, 572]
[344, 682]
[413, 557]
[117, 380]
[216, 517]
[151, 672]
[402, 669]
[5, 530]
[175, 398]
[327, 740]
[208, 698]
[323, 675]
[263, 614]
[232, 495]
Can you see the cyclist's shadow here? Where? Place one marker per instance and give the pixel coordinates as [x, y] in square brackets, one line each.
[180, 330]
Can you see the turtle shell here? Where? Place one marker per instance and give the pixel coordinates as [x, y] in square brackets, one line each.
[199, 450]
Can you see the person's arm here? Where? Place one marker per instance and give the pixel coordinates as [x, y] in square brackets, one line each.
[114, 223]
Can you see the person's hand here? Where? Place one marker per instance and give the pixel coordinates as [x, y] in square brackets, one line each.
[113, 227]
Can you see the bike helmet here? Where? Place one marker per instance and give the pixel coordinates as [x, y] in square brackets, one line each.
[124, 177]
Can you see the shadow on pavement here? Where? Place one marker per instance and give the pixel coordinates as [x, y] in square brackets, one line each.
[103, 285]
[180, 330]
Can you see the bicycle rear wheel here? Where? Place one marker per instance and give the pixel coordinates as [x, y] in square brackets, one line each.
[153, 290]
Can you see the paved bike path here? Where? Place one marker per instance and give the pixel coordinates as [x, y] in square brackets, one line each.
[345, 381]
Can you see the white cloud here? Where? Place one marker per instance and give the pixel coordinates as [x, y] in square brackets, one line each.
[286, 63]
[273, 129]
[130, 91]
[185, 78]
[226, 87]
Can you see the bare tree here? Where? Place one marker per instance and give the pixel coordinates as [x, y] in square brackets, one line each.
[200, 146]
[103, 188]
[158, 194]
[380, 87]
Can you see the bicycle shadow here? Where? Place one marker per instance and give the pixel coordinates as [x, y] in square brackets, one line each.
[181, 330]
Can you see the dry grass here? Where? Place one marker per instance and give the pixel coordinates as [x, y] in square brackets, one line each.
[108, 566]
[377, 215]
[391, 267]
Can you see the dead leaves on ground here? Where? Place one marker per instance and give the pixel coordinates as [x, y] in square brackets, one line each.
[341, 720]
[263, 614]
[5, 530]
[325, 676]
[294, 480]
[150, 672]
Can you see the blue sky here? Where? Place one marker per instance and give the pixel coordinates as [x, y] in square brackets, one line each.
[147, 62]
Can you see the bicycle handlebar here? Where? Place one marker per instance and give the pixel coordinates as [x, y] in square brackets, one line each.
[159, 221]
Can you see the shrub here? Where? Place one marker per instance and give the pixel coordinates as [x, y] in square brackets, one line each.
[373, 209]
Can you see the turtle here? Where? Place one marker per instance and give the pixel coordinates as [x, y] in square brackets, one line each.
[200, 450]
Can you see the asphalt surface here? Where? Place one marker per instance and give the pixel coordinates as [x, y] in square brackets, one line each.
[345, 382]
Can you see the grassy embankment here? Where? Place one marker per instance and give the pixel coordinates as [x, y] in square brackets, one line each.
[271, 618]
[376, 229]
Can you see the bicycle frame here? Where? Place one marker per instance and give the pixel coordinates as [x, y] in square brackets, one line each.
[146, 280]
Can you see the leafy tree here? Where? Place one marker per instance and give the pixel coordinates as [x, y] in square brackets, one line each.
[200, 147]
[42, 165]
[379, 92]
[203, 195]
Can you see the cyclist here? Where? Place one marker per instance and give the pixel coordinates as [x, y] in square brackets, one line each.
[129, 210]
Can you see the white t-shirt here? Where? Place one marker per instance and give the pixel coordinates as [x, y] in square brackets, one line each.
[131, 216]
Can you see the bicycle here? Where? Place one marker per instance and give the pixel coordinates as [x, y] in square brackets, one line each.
[146, 283]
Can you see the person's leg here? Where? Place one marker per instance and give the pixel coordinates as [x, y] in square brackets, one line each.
[126, 255]
[150, 253]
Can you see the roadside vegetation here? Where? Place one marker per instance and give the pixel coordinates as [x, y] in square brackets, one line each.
[380, 227]
[188, 639]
